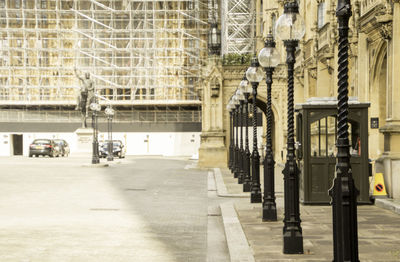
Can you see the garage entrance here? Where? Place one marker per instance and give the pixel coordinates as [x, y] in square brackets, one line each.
[17, 145]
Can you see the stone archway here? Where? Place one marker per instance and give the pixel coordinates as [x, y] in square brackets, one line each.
[378, 99]
[262, 105]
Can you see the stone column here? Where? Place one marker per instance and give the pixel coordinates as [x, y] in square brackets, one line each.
[213, 151]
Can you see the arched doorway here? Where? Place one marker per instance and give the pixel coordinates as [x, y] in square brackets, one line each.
[378, 98]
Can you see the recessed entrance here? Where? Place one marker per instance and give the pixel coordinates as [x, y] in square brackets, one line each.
[17, 145]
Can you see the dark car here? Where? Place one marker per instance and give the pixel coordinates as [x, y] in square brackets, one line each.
[63, 145]
[118, 149]
[44, 147]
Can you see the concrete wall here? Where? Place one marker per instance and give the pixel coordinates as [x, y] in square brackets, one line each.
[137, 143]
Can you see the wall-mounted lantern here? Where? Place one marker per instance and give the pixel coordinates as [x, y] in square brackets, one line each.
[215, 87]
[214, 40]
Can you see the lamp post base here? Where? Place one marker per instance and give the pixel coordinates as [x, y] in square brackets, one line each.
[240, 177]
[269, 212]
[246, 186]
[255, 196]
[95, 161]
[293, 242]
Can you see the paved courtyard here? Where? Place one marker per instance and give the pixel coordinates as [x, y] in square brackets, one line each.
[378, 229]
[159, 209]
[138, 209]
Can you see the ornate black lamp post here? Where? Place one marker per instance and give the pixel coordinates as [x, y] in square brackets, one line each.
[95, 107]
[344, 193]
[255, 74]
[290, 28]
[240, 96]
[236, 168]
[110, 113]
[246, 89]
[230, 108]
[269, 58]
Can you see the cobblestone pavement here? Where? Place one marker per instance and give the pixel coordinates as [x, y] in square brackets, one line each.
[378, 229]
[142, 209]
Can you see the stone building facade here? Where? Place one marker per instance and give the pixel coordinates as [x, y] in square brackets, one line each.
[374, 59]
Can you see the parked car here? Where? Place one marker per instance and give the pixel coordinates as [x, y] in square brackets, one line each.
[118, 149]
[44, 147]
[63, 145]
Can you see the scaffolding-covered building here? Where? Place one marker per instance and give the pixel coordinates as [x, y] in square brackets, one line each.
[137, 52]
[145, 58]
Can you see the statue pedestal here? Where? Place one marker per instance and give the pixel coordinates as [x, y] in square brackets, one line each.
[84, 140]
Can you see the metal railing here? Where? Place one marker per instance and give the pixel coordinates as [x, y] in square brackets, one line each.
[132, 116]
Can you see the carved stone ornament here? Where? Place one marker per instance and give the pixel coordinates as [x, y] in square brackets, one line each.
[313, 72]
[386, 31]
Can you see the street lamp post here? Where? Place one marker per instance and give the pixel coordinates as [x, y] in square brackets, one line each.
[240, 96]
[290, 28]
[95, 107]
[269, 58]
[343, 192]
[236, 149]
[230, 108]
[110, 113]
[254, 74]
[246, 89]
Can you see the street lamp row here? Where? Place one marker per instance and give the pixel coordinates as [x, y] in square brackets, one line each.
[290, 28]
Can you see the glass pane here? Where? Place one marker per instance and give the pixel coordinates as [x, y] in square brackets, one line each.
[314, 138]
[323, 137]
[331, 120]
[355, 139]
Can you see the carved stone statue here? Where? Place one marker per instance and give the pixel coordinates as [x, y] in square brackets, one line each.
[86, 97]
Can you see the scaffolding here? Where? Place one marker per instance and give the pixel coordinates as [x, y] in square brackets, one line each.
[136, 51]
[237, 26]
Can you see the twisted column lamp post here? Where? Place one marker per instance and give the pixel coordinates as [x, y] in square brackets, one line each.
[269, 58]
[240, 97]
[230, 108]
[236, 168]
[246, 90]
[343, 192]
[255, 74]
[290, 29]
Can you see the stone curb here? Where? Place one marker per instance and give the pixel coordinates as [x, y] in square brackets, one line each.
[389, 204]
[236, 240]
[222, 191]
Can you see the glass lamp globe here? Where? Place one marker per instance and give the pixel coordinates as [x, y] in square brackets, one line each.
[235, 100]
[269, 56]
[93, 106]
[230, 106]
[244, 85]
[254, 73]
[290, 25]
[239, 94]
[109, 111]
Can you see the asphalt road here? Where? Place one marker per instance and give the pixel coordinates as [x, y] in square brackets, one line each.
[140, 209]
